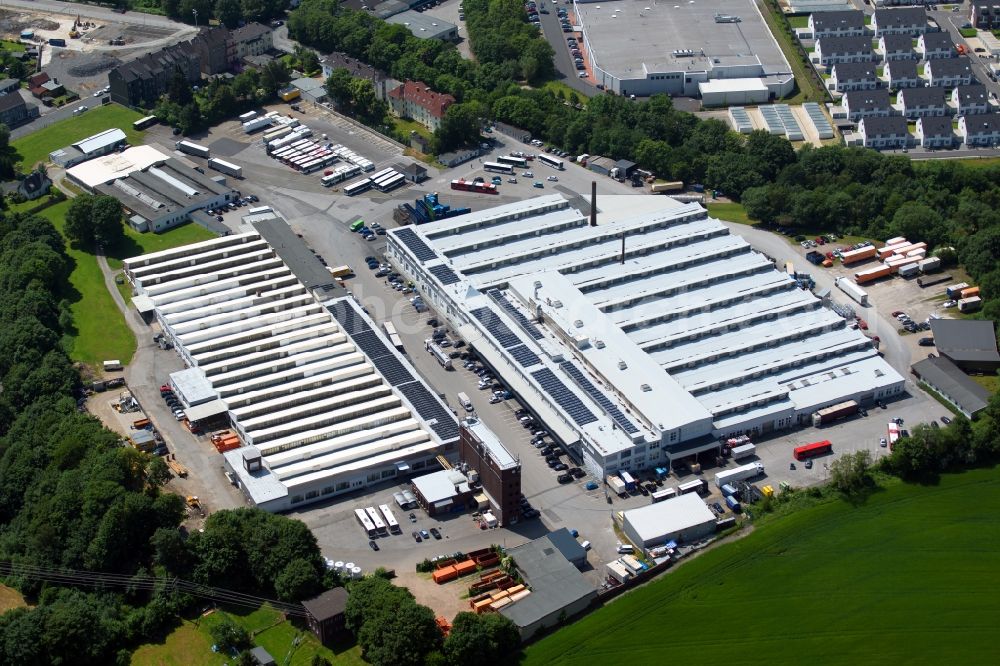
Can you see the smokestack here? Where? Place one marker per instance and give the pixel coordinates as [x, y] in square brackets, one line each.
[593, 203]
[622, 261]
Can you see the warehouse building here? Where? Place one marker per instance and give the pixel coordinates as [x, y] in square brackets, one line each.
[640, 356]
[684, 519]
[425, 26]
[971, 344]
[558, 589]
[675, 49]
[948, 381]
[99, 144]
[323, 403]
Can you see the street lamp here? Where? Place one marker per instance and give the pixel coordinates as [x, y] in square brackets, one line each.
[195, 12]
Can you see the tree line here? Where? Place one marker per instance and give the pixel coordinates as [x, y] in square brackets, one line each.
[73, 498]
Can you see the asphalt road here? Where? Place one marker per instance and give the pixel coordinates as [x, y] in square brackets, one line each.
[951, 21]
[91, 11]
[562, 60]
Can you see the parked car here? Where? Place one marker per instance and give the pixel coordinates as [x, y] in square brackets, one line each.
[373, 545]
[435, 534]
[424, 534]
[417, 537]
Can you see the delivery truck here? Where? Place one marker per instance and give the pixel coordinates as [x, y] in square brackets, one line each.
[227, 168]
[731, 476]
[834, 412]
[744, 451]
[192, 149]
[463, 400]
[618, 486]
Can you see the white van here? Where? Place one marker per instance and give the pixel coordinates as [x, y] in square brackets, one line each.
[585, 545]
[625, 549]
[463, 400]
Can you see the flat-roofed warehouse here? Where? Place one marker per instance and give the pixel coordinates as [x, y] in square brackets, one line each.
[644, 48]
[684, 519]
[322, 402]
[637, 364]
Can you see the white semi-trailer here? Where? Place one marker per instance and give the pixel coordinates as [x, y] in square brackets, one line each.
[743, 473]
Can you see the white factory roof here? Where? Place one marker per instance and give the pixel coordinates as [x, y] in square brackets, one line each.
[693, 332]
[731, 85]
[441, 486]
[318, 399]
[107, 168]
[669, 516]
[100, 141]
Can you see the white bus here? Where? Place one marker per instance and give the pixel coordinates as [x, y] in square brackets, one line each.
[516, 162]
[143, 123]
[390, 519]
[381, 174]
[366, 523]
[499, 168]
[314, 164]
[696, 486]
[391, 183]
[661, 495]
[551, 161]
[358, 187]
[376, 518]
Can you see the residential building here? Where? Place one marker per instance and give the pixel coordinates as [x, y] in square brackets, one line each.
[970, 100]
[833, 50]
[141, 82]
[36, 184]
[837, 24]
[9, 85]
[325, 614]
[922, 102]
[416, 100]
[252, 39]
[980, 130]
[899, 74]
[900, 21]
[867, 103]
[971, 344]
[896, 47]
[949, 72]
[425, 26]
[935, 132]
[212, 46]
[884, 133]
[99, 144]
[498, 469]
[948, 381]
[934, 45]
[985, 14]
[853, 76]
[14, 111]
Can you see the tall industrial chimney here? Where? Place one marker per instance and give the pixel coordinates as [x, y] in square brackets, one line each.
[593, 203]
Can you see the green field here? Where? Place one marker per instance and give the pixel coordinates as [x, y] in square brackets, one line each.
[191, 643]
[36, 146]
[730, 212]
[101, 332]
[907, 577]
[137, 243]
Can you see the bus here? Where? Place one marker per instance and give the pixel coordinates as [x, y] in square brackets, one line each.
[499, 168]
[471, 186]
[516, 162]
[358, 187]
[390, 331]
[892, 433]
[143, 123]
[809, 450]
[391, 183]
[366, 523]
[551, 161]
[696, 486]
[376, 518]
[390, 519]
[382, 174]
[664, 494]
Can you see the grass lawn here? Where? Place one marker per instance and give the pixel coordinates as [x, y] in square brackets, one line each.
[404, 127]
[10, 599]
[101, 332]
[807, 90]
[191, 643]
[137, 243]
[730, 212]
[798, 21]
[11, 45]
[36, 146]
[989, 382]
[902, 578]
[556, 86]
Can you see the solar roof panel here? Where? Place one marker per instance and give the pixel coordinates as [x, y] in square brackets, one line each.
[383, 358]
[416, 245]
[528, 327]
[348, 318]
[565, 398]
[444, 274]
[496, 328]
[442, 421]
[524, 356]
[609, 407]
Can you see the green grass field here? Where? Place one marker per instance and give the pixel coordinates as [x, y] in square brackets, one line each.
[36, 146]
[191, 643]
[730, 212]
[101, 332]
[907, 577]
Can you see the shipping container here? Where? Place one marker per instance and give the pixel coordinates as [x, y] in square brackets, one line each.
[667, 186]
[728, 490]
[898, 240]
[256, 124]
[192, 148]
[970, 304]
[733, 505]
[930, 264]
[871, 274]
[227, 168]
[810, 450]
[970, 292]
[248, 116]
[618, 486]
[629, 481]
[861, 254]
[730, 476]
[112, 365]
[696, 486]
[930, 281]
[444, 575]
[743, 451]
[955, 290]
[909, 270]
[838, 411]
[664, 494]
[854, 291]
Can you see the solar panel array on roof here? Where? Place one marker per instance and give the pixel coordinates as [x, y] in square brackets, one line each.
[417, 246]
[774, 125]
[788, 121]
[740, 119]
[444, 274]
[382, 358]
[819, 120]
[446, 425]
[496, 328]
[610, 408]
[571, 404]
[348, 319]
[524, 356]
[528, 327]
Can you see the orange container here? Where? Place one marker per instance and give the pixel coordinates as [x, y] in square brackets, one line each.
[444, 575]
[465, 568]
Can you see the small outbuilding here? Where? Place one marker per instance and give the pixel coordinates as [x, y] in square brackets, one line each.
[685, 519]
[443, 492]
[325, 614]
[262, 657]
